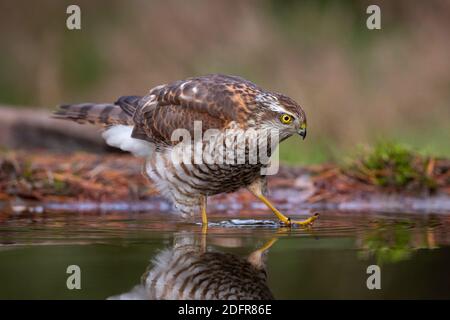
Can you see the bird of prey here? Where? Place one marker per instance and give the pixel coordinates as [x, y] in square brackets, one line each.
[145, 126]
[187, 271]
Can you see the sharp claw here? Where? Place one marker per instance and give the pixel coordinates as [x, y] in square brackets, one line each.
[314, 217]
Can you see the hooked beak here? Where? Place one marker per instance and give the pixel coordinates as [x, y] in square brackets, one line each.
[302, 132]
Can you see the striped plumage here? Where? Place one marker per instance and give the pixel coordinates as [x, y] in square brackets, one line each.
[104, 114]
[186, 272]
[144, 126]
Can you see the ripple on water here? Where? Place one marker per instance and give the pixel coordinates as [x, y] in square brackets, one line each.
[245, 223]
[104, 227]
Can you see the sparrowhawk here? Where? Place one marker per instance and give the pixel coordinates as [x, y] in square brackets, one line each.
[145, 126]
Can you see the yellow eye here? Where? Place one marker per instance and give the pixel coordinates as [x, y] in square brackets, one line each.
[286, 119]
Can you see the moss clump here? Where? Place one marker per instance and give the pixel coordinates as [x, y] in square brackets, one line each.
[388, 243]
[393, 165]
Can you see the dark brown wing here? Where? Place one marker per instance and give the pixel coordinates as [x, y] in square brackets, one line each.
[215, 100]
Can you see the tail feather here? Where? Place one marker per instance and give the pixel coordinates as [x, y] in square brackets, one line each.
[104, 114]
[117, 120]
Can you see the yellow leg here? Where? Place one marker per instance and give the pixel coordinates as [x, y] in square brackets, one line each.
[203, 209]
[267, 245]
[204, 223]
[283, 218]
[255, 258]
[203, 238]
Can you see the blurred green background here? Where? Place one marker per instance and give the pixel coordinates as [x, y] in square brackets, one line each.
[356, 85]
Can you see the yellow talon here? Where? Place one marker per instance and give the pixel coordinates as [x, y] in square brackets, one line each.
[304, 223]
[286, 220]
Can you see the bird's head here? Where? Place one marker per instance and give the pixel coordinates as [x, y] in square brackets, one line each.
[278, 112]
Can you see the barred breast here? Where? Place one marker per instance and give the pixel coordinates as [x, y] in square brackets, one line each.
[184, 173]
[186, 273]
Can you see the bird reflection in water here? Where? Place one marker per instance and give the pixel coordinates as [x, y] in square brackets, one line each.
[188, 271]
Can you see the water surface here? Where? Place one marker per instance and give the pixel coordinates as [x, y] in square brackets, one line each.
[330, 260]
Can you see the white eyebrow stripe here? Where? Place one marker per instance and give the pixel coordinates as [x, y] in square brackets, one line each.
[276, 107]
[272, 103]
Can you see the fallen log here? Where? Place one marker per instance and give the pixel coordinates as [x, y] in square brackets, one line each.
[44, 181]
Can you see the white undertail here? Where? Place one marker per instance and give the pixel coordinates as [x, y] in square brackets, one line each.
[119, 136]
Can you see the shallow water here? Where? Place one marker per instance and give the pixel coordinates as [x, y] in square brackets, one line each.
[330, 260]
